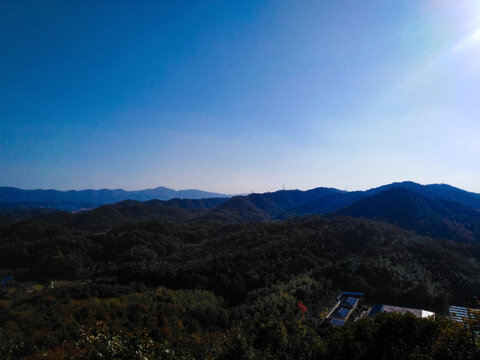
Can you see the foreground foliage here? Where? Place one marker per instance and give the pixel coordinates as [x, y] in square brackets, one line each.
[207, 290]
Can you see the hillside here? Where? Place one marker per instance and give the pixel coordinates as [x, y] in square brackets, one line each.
[432, 217]
[436, 191]
[289, 203]
[20, 213]
[274, 205]
[237, 259]
[124, 213]
[201, 287]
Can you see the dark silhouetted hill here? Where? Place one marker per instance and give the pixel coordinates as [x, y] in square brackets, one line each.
[436, 191]
[207, 203]
[437, 218]
[120, 214]
[236, 209]
[279, 204]
[289, 203]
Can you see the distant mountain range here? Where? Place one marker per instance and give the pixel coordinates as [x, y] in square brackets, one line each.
[439, 211]
[14, 198]
[289, 203]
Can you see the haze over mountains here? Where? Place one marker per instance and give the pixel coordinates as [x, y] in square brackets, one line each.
[439, 211]
[73, 199]
[280, 203]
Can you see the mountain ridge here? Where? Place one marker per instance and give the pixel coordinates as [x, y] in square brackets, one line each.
[437, 218]
[403, 204]
[90, 198]
[283, 204]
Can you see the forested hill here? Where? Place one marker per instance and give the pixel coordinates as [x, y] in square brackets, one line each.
[228, 291]
[436, 191]
[289, 203]
[129, 212]
[432, 217]
[233, 260]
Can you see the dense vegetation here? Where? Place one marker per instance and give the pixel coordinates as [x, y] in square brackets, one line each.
[437, 218]
[206, 289]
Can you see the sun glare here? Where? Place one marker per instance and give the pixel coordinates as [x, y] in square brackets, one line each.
[467, 42]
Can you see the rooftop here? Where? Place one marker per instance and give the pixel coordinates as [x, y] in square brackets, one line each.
[349, 302]
[340, 313]
[400, 310]
[460, 314]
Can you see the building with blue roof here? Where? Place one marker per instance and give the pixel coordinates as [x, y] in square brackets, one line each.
[343, 309]
[349, 302]
[340, 313]
[460, 314]
[5, 280]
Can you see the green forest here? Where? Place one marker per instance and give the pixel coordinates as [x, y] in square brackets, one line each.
[214, 290]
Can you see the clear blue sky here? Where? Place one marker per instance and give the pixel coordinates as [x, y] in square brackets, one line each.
[234, 96]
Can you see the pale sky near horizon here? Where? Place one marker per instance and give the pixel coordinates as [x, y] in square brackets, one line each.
[235, 96]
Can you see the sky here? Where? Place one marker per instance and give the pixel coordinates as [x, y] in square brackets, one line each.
[239, 96]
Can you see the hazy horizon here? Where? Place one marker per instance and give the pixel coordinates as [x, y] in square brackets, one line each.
[233, 194]
[231, 97]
